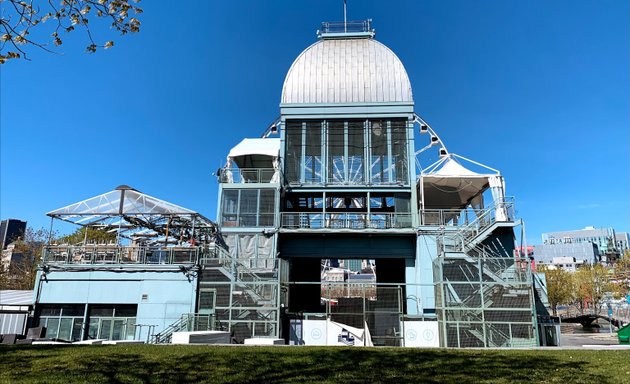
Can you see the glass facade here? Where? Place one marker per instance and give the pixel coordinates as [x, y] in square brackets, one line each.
[63, 322]
[112, 322]
[248, 207]
[336, 152]
[66, 321]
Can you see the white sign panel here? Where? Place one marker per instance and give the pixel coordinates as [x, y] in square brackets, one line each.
[422, 334]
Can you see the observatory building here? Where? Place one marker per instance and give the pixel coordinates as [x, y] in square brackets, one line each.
[348, 222]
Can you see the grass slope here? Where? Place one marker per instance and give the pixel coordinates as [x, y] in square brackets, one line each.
[239, 364]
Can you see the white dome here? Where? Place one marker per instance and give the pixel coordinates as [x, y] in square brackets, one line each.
[347, 71]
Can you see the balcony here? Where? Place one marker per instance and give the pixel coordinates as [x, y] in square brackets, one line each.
[499, 211]
[345, 220]
[116, 254]
[248, 175]
[355, 28]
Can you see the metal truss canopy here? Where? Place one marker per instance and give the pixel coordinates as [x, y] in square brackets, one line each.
[126, 209]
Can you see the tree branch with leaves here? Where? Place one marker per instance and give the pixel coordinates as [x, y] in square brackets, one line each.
[18, 18]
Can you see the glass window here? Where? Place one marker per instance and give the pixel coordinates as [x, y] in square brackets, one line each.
[49, 310]
[336, 150]
[52, 327]
[248, 208]
[229, 207]
[356, 151]
[101, 311]
[313, 152]
[293, 151]
[267, 207]
[399, 151]
[65, 328]
[379, 167]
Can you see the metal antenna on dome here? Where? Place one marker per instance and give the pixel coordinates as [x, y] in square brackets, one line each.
[345, 20]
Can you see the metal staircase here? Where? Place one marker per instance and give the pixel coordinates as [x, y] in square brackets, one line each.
[485, 290]
[188, 322]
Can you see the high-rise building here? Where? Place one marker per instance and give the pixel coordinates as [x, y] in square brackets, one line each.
[10, 231]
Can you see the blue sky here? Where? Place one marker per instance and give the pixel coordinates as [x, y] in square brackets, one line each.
[537, 89]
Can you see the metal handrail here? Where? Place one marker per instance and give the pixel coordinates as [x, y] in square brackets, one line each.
[347, 26]
[345, 220]
[249, 175]
[187, 322]
[119, 254]
[467, 217]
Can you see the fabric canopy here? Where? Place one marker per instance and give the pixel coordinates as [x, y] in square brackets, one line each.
[447, 184]
[255, 153]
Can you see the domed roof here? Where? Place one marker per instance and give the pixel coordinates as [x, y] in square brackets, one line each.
[359, 70]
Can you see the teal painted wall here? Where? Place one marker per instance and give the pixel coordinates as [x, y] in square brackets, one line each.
[169, 294]
[419, 277]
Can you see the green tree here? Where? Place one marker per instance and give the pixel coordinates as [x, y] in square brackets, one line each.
[93, 235]
[20, 274]
[592, 283]
[19, 17]
[559, 288]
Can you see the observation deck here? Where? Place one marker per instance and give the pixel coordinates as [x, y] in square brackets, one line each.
[346, 29]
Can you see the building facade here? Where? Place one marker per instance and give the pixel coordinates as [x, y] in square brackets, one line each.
[10, 231]
[335, 178]
[604, 240]
[348, 172]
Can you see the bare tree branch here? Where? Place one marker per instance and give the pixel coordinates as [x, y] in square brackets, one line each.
[18, 19]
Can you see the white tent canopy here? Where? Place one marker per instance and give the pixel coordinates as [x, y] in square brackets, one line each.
[255, 153]
[447, 184]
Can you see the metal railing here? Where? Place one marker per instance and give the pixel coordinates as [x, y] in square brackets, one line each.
[348, 26]
[345, 220]
[189, 322]
[249, 175]
[117, 254]
[469, 217]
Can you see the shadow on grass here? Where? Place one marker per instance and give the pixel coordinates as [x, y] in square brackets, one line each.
[147, 364]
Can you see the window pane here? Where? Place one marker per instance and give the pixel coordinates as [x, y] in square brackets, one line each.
[399, 151]
[229, 207]
[267, 207]
[52, 327]
[72, 310]
[248, 207]
[76, 328]
[293, 151]
[93, 329]
[101, 311]
[131, 329]
[65, 329]
[313, 152]
[356, 148]
[106, 328]
[118, 329]
[336, 144]
[379, 167]
[50, 310]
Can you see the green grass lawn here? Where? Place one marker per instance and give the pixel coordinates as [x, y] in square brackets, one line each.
[241, 364]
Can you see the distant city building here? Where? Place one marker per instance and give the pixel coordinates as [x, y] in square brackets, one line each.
[569, 264]
[622, 241]
[10, 231]
[9, 256]
[581, 252]
[603, 238]
[355, 265]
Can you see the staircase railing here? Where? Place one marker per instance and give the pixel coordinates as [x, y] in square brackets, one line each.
[188, 322]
